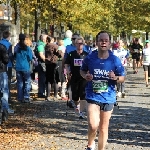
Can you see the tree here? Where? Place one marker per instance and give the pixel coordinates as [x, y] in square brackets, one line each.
[89, 16]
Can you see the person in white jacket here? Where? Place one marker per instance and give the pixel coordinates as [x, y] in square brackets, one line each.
[123, 55]
[146, 60]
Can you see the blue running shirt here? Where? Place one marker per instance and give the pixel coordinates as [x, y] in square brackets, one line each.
[101, 88]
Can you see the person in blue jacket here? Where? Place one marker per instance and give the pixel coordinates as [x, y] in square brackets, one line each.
[23, 56]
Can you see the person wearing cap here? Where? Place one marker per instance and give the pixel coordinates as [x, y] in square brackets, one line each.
[115, 46]
[23, 56]
[146, 60]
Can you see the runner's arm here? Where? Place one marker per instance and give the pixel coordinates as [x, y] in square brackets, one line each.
[119, 73]
[67, 67]
[120, 79]
[113, 76]
[142, 58]
[83, 73]
[67, 63]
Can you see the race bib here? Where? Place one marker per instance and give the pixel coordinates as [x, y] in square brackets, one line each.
[136, 50]
[78, 62]
[100, 86]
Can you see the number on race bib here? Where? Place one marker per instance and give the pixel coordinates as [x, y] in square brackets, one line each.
[78, 62]
[136, 50]
[100, 86]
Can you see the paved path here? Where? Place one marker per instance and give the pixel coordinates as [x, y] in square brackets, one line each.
[44, 125]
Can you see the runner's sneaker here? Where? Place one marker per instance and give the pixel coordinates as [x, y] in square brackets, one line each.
[4, 115]
[81, 115]
[119, 94]
[123, 95]
[135, 72]
[64, 98]
[48, 99]
[28, 100]
[77, 109]
[55, 98]
[58, 97]
[10, 111]
[91, 148]
[70, 104]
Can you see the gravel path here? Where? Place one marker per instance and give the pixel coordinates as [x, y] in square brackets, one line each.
[44, 125]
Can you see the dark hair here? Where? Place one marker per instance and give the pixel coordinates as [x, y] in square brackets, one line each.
[76, 34]
[55, 39]
[22, 45]
[103, 32]
[6, 34]
[48, 39]
[41, 37]
[50, 48]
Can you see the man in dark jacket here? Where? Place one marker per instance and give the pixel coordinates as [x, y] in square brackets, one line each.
[4, 90]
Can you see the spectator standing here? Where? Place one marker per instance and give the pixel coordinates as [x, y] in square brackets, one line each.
[23, 56]
[41, 65]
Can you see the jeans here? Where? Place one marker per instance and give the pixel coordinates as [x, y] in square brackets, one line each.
[9, 73]
[4, 90]
[41, 80]
[23, 84]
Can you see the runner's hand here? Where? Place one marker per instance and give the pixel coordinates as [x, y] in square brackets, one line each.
[112, 75]
[88, 76]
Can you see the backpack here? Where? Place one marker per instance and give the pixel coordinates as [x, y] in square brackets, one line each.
[3, 61]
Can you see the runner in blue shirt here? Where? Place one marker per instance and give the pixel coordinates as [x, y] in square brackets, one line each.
[102, 70]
